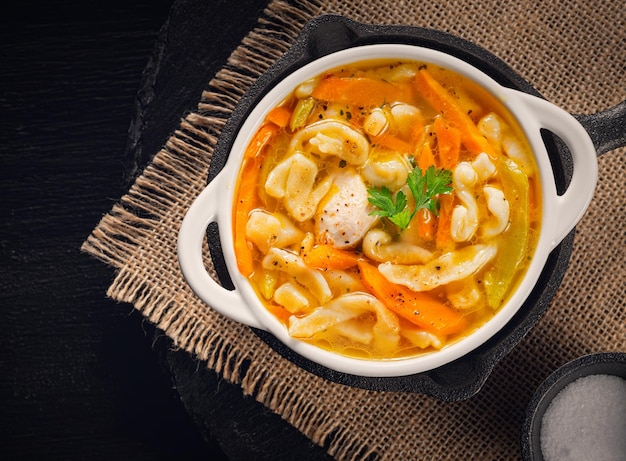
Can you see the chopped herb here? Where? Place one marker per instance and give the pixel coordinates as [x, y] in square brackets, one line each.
[425, 188]
[395, 210]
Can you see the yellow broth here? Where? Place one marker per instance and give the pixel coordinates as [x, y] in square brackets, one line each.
[375, 279]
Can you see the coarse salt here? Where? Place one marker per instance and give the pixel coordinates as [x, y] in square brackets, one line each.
[586, 421]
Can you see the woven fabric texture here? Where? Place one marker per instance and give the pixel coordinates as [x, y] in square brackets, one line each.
[574, 53]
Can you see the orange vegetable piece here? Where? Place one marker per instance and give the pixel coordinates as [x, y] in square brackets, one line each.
[279, 312]
[260, 140]
[443, 238]
[426, 158]
[448, 143]
[420, 309]
[417, 138]
[444, 103]
[330, 257]
[247, 197]
[362, 91]
[246, 201]
[279, 116]
[393, 143]
[426, 224]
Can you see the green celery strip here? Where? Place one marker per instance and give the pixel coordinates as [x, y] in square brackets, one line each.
[301, 113]
[499, 278]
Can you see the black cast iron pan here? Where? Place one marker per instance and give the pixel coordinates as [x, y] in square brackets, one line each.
[464, 377]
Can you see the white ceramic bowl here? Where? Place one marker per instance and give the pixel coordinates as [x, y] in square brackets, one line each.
[560, 212]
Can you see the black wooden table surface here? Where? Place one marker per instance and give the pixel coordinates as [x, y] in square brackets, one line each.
[88, 92]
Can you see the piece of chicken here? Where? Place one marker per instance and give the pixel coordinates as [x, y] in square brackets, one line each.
[343, 219]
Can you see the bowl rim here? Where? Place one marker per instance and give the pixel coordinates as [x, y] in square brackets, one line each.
[461, 347]
[461, 378]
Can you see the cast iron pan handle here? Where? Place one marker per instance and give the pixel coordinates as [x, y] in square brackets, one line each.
[607, 129]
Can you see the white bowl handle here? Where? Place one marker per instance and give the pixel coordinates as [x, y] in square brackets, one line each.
[202, 212]
[573, 203]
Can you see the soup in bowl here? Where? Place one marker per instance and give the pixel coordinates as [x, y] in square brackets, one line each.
[387, 209]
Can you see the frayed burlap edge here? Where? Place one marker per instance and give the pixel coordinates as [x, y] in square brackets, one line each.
[153, 206]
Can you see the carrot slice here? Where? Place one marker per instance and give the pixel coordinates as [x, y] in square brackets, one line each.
[260, 140]
[247, 197]
[448, 143]
[426, 224]
[444, 103]
[246, 201]
[443, 238]
[426, 158]
[330, 257]
[362, 91]
[420, 309]
[279, 312]
[279, 116]
[393, 143]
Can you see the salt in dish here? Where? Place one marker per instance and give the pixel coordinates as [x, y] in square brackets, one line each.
[586, 420]
[579, 412]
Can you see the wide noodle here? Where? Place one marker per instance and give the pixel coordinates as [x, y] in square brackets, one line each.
[341, 273]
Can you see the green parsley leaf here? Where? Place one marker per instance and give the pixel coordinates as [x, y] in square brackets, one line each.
[424, 186]
[395, 210]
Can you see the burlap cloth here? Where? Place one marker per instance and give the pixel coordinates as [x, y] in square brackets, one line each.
[574, 53]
